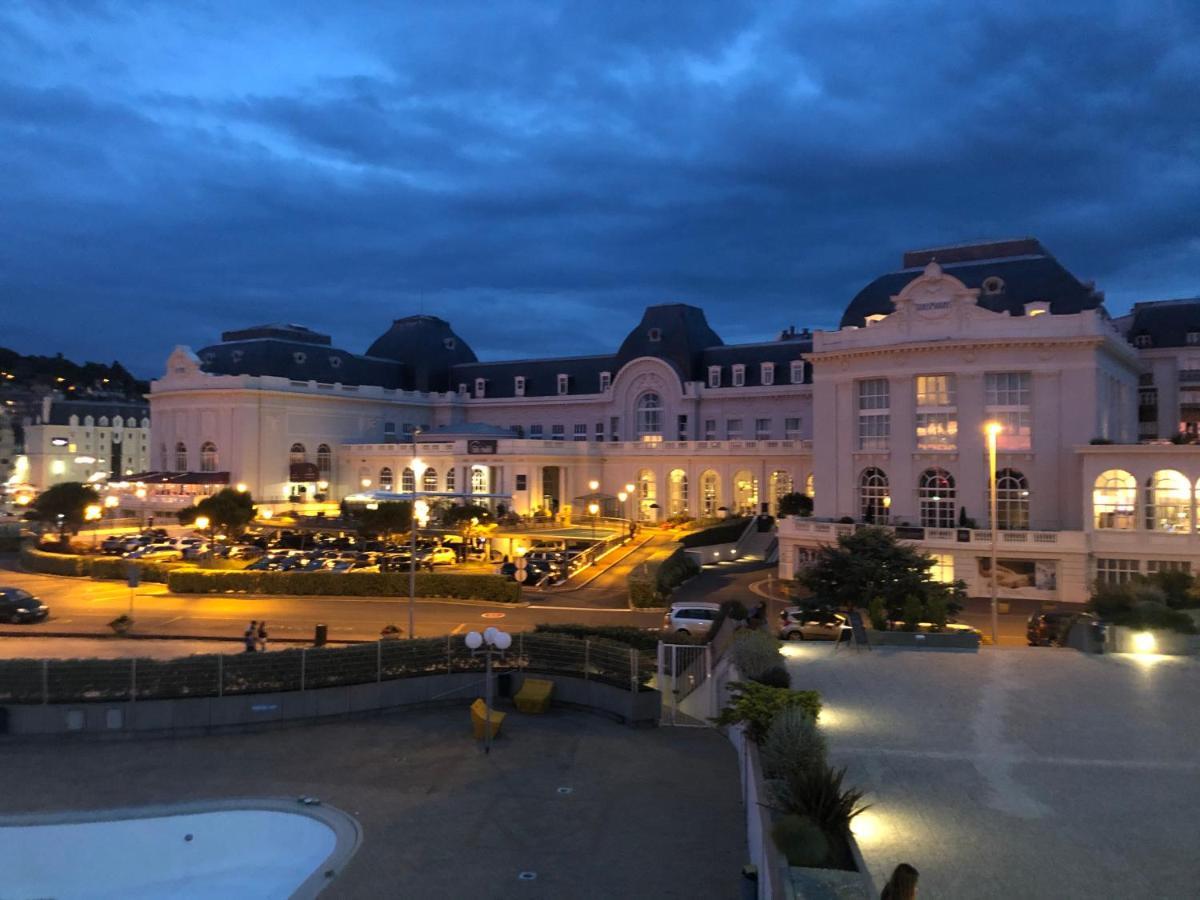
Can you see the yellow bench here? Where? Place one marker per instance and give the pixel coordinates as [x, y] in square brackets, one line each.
[482, 717]
[534, 695]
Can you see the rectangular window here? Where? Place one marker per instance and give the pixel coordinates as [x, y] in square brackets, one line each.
[535, 432]
[389, 432]
[791, 428]
[733, 429]
[710, 429]
[943, 567]
[1008, 397]
[605, 381]
[558, 433]
[874, 419]
[797, 371]
[581, 432]
[762, 429]
[519, 385]
[1168, 565]
[480, 386]
[682, 426]
[462, 388]
[739, 376]
[563, 382]
[522, 482]
[614, 428]
[714, 376]
[767, 373]
[937, 413]
[599, 431]
[1115, 571]
[408, 428]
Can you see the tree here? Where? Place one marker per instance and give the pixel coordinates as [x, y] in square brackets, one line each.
[460, 516]
[229, 510]
[385, 520]
[870, 564]
[795, 504]
[64, 506]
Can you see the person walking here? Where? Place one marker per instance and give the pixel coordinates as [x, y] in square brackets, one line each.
[902, 885]
[250, 638]
[262, 636]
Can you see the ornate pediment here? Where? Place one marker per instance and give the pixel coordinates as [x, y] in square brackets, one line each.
[935, 295]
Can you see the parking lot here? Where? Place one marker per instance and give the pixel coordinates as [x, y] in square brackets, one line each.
[1030, 772]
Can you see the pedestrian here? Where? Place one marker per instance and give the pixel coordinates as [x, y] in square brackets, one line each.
[251, 636]
[902, 885]
[262, 636]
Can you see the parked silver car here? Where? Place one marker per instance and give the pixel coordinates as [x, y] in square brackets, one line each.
[690, 618]
[800, 624]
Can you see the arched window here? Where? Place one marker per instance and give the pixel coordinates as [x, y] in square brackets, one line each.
[1114, 500]
[781, 483]
[324, 460]
[479, 480]
[408, 481]
[745, 492]
[1012, 501]
[297, 454]
[451, 480]
[677, 493]
[710, 493]
[208, 457]
[647, 492]
[809, 486]
[385, 479]
[874, 496]
[429, 480]
[935, 496]
[181, 457]
[1168, 502]
[649, 414]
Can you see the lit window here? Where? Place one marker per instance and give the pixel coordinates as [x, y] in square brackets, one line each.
[208, 457]
[1114, 500]
[943, 567]
[408, 480]
[936, 496]
[937, 415]
[874, 496]
[385, 479]
[429, 479]
[1168, 502]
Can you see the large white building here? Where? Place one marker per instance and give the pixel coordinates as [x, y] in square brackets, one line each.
[881, 421]
[85, 440]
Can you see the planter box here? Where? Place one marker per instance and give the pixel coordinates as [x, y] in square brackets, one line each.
[918, 640]
[825, 883]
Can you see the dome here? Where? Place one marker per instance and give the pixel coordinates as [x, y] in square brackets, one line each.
[426, 347]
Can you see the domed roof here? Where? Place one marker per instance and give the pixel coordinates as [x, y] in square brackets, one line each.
[427, 347]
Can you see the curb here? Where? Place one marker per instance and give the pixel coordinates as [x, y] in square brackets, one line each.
[101, 636]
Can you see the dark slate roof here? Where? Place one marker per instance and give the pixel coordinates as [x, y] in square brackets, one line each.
[1031, 274]
[286, 332]
[673, 332]
[1166, 322]
[427, 348]
[62, 410]
[541, 375]
[299, 361]
[752, 356]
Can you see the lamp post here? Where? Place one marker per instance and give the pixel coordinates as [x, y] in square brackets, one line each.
[629, 492]
[412, 548]
[496, 642]
[201, 523]
[993, 429]
[593, 508]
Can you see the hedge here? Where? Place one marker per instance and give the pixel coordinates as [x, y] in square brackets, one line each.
[116, 569]
[348, 584]
[101, 567]
[726, 533]
[643, 594]
[641, 639]
[674, 571]
[55, 563]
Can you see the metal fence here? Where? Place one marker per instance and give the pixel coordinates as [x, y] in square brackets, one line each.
[219, 675]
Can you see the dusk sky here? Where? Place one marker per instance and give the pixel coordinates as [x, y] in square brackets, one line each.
[538, 172]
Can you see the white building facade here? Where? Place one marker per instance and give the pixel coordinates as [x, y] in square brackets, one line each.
[85, 440]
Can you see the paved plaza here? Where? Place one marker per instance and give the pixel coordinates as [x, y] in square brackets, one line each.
[1019, 772]
[594, 808]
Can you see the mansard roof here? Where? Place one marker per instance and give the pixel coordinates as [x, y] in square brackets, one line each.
[427, 347]
[1166, 323]
[299, 361]
[1008, 274]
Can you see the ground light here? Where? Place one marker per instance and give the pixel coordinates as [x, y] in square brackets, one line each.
[1144, 642]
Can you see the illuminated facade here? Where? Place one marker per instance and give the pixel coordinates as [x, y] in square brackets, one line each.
[85, 440]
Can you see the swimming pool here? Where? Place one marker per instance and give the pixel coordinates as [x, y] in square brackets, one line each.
[267, 849]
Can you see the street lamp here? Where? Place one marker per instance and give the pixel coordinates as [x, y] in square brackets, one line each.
[493, 642]
[366, 483]
[418, 470]
[629, 490]
[593, 508]
[203, 522]
[593, 485]
[993, 429]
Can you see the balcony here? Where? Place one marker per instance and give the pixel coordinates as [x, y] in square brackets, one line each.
[1036, 541]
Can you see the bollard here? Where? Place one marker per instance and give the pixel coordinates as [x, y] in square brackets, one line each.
[320, 635]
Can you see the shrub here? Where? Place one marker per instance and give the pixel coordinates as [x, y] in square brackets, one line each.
[725, 533]
[1139, 603]
[935, 611]
[801, 840]
[818, 792]
[756, 706]
[117, 569]
[642, 594]
[350, 584]
[55, 563]
[674, 571]
[912, 613]
[639, 639]
[754, 652]
[792, 743]
[776, 676]
[878, 614]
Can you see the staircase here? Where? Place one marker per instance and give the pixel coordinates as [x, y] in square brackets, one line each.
[758, 545]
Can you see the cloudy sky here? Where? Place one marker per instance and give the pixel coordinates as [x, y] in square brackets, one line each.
[538, 172]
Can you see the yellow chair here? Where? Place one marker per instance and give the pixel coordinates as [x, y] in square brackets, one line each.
[482, 718]
[534, 695]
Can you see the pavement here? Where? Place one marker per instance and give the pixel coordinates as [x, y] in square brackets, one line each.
[591, 808]
[1018, 772]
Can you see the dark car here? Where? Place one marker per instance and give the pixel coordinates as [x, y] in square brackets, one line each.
[1051, 629]
[17, 605]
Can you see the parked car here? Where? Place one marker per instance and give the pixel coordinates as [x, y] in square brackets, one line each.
[114, 543]
[1050, 629]
[690, 618]
[800, 624]
[156, 551]
[437, 556]
[17, 605]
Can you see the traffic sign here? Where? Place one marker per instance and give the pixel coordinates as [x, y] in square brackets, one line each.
[521, 575]
[521, 561]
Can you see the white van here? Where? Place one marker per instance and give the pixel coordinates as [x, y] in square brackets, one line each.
[690, 618]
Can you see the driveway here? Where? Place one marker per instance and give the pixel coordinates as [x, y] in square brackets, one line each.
[1019, 772]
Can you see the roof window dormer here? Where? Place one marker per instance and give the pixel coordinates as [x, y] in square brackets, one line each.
[1142, 340]
[655, 335]
[480, 388]
[739, 375]
[519, 385]
[564, 384]
[992, 285]
[1037, 308]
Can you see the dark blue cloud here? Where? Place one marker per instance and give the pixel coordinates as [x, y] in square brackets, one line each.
[537, 172]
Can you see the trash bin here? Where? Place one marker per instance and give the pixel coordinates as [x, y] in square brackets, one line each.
[504, 684]
[321, 634]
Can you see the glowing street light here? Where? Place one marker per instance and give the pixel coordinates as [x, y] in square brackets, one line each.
[493, 642]
[366, 483]
[241, 487]
[593, 485]
[993, 429]
[593, 508]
